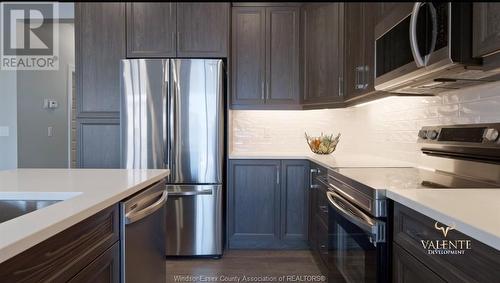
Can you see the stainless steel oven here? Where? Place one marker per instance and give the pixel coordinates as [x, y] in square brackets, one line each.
[427, 50]
[357, 244]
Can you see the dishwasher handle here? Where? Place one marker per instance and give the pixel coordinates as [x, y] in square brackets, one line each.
[135, 215]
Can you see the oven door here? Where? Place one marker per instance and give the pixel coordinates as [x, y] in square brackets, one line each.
[416, 46]
[357, 251]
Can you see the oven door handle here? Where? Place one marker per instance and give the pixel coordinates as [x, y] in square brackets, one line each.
[354, 215]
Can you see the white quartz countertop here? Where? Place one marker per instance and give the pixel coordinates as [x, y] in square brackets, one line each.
[474, 212]
[84, 192]
[333, 160]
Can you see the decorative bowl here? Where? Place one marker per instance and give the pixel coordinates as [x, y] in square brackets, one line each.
[324, 144]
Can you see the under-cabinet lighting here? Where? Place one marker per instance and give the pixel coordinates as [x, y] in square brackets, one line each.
[373, 101]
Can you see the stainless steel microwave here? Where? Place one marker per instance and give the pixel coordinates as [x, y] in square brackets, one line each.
[428, 50]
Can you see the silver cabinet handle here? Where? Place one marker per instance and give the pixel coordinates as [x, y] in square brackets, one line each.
[341, 86]
[267, 90]
[277, 175]
[136, 215]
[366, 73]
[262, 90]
[311, 172]
[190, 193]
[358, 79]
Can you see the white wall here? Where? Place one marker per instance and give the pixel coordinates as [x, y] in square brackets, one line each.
[386, 127]
[35, 147]
[8, 119]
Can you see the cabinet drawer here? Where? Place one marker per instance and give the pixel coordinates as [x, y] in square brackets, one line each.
[62, 256]
[479, 263]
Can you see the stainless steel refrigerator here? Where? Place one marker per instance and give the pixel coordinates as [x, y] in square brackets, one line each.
[172, 117]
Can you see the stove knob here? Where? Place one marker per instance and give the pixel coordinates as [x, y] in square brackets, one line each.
[432, 134]
[491, 135]
[422, 134]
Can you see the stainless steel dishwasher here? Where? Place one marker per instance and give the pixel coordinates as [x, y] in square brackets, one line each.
[142, 231]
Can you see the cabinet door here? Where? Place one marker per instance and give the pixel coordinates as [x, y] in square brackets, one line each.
[151, 30]
[248, 56]
[254, 204]
[354, 49]
[294, 202]
[486, 26]
[282, 46]
[100, 44]
[323, 53]
[202, 29]
[407, 269]
[104, 269]
[359, 48]
[64, 255]
[98, 144]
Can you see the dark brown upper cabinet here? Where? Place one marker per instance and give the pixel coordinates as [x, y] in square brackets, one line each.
[359, 49]
[323, 55]
[202, 29]
[486, 26]
[177, 30]
[100, 44]
[265, 57]
[151, 30]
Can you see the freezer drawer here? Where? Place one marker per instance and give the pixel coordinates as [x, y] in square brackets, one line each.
[194, 220]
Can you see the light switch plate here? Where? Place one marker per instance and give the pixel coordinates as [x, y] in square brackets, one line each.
[4, 131]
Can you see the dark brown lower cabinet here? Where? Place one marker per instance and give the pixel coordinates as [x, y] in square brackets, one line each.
[475, 262]
[87, 250]
[104, 269]
[267, 204]
[407, 269]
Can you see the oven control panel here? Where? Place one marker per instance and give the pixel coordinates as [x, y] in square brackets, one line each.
[479, 134]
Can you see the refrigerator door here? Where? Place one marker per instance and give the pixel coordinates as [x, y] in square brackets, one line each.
[194, 220]
[144, 90]
[196, 121]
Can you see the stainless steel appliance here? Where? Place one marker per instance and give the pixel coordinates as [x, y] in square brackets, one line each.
[142, 235]
[427, 50]
[173, 117]
[359, 217]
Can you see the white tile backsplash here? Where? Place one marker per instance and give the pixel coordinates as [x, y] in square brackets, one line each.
[387, 127]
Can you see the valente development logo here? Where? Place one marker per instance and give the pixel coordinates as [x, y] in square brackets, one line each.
[29, 36]
[446, 246]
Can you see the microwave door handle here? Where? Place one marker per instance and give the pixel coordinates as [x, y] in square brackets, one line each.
[434, 32]
[419, 61]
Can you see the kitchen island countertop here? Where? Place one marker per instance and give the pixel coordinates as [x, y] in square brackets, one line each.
[83, 192]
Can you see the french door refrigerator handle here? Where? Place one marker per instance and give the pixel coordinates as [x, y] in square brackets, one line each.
[190, 193]
[171, 113]
[165, 110]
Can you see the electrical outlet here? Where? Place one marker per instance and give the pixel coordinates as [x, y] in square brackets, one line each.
[50, 131]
